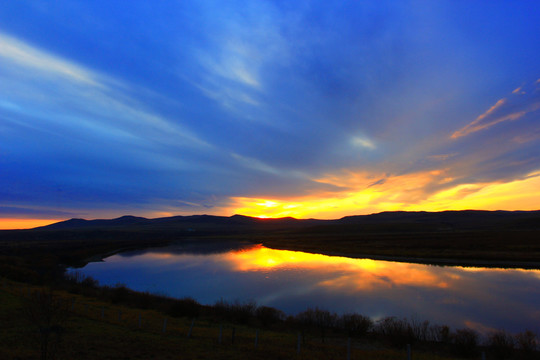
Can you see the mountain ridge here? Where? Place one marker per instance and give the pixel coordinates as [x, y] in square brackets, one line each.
[448, 219]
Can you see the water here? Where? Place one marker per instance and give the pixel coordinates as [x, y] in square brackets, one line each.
[480, 298]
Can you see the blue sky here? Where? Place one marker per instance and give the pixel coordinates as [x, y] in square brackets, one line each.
[187, 107]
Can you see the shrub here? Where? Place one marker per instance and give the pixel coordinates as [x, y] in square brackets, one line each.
[47, 314]
[355, 324]
[527, 343]
[119, 294]
[465, 342]
[397, 331]
[184, 307]
[317, 318]
[500, 344]
[236, 312]
[439, 333]
[269, 316]
[419, 329]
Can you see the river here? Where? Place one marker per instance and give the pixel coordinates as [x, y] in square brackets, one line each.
[480, 298]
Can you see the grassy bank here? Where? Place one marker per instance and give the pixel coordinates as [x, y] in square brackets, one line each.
[97, 329]
[85, 321]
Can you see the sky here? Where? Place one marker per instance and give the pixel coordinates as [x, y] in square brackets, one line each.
[310, 109]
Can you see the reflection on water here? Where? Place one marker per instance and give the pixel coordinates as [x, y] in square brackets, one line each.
[292, 281]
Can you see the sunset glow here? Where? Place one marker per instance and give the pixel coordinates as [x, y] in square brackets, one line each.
[267, 109]
[401, 193]
[12, 224]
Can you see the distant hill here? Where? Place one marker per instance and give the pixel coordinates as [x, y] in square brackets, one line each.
[82, 223]
[180, 223]
[400, 220]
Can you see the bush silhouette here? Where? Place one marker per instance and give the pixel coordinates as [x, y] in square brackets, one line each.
[465, 342]
[355, 324]
[500, 344]
[47, 315]
[527, 344]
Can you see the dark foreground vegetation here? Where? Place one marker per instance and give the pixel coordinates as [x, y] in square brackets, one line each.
[77, 318]
[35, 291]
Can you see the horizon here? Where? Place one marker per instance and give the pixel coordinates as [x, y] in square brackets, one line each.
[42, 223]
[270, 109]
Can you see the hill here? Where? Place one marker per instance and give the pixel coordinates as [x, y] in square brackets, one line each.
[384, 221]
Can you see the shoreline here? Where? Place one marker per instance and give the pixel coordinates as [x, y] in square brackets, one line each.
[452, 262]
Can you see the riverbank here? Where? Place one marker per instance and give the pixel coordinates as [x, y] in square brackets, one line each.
[505, 249]
[464, 262]
[85, 326]
[93, 328]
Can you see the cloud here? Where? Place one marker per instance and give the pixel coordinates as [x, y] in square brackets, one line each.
[361, 141]
[258, 165]
[238, 49]
[25, 55]
[66, 95]
[409, 192]
[30, 212]
[521, 102]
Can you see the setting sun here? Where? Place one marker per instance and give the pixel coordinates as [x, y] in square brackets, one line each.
[399, 193]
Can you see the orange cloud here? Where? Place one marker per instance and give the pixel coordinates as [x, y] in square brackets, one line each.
[520, 103]
[402, 192]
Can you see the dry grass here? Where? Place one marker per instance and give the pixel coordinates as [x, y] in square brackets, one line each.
[94, 331]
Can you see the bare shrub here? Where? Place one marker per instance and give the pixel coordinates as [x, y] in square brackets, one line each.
[355, 324]
[419, 329]
[324, 319]
[188, 307]
[47, 314]
[306, 319]
[236, 311]
[242, 312]
[527, 344]
[317, 318]
[500, 344]
[465, 342]
[397, 331]
[269, 316]
[439, 333]
[119, 294]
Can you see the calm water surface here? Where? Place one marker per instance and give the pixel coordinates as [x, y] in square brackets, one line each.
[480, 298]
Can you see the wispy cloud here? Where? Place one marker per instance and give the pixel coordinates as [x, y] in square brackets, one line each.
[28, 56]
[259, 165]
[364, 142]
[520, 103]
[239, 48]
[81, 99]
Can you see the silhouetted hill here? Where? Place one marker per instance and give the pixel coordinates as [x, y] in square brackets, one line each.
[464, 219]
[384, 221]
[100, 223]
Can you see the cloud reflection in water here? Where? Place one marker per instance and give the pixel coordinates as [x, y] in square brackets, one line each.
[482, 298]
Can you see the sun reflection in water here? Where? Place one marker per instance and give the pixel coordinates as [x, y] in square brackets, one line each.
[347, 273]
